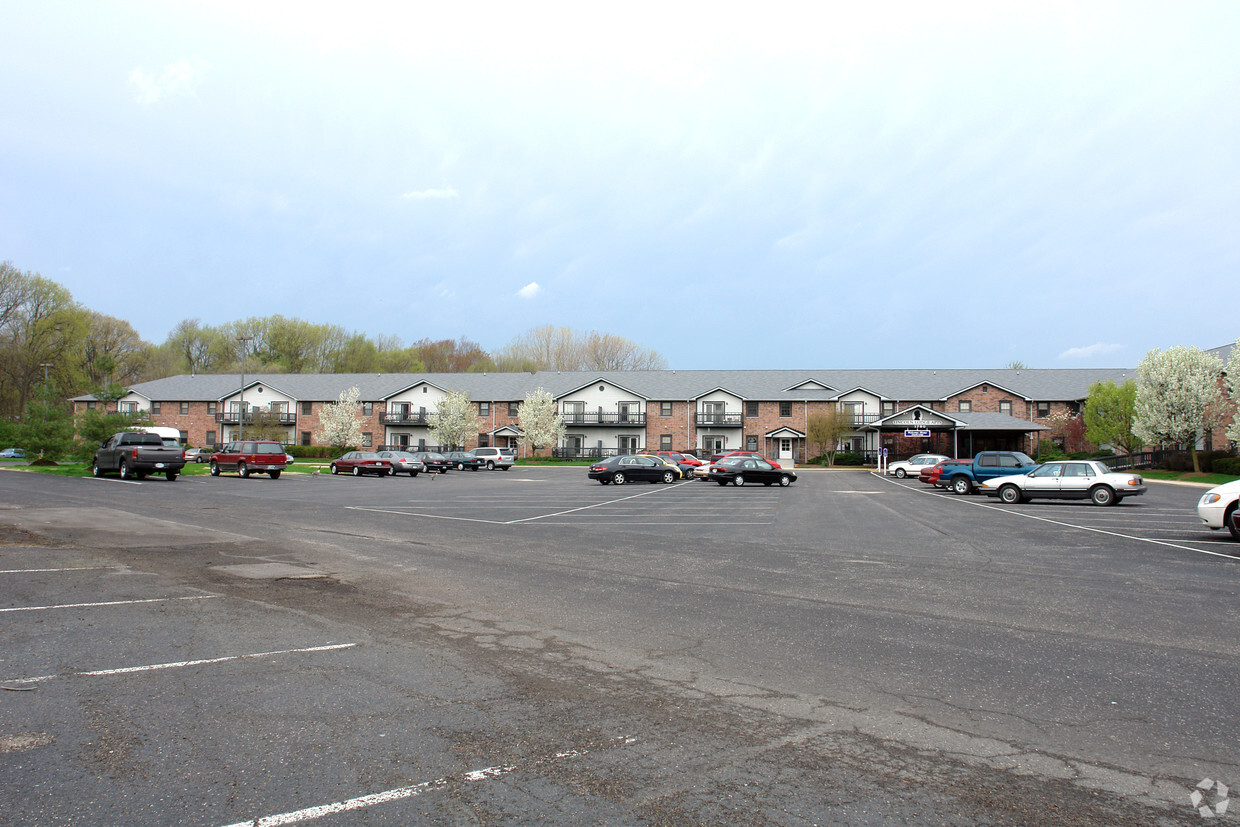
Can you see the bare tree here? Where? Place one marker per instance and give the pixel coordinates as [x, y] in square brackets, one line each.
[562, 348]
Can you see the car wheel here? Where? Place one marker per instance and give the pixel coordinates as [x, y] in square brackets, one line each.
[784, 481]
[1101, 495]
[1010, 494]
[668, 478]
[490, 465]
[618, 478]
[901, 473]
[738, 480]
[275, 475]
[1229, 520]
[94, 470]
[961, 485]
[215, 469]
[171, 475]
[124, 470]
[357, 470]
[722, 482]
[413, 473]
[460, 466]
[335, 470]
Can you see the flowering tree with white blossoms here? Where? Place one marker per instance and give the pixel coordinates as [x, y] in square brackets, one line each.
[1177, 392]
[541, 424]
[340, 421]
[453, 421]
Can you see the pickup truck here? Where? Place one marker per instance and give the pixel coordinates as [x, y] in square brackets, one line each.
[985, 466]
[136, 455]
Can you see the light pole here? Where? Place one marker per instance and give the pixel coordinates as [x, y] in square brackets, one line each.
[243, 340]
[45, 366]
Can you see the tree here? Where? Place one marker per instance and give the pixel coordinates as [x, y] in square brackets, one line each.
[266, 424]
[561, 348]
[47, 426]
[826, 429]
[340, 421]
[1110, 415]
[541, 424]
[96, 425]
[1176, 391]
[454, 420]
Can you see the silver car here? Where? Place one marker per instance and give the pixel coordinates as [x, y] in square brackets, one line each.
[1083, 479]
[403, 462]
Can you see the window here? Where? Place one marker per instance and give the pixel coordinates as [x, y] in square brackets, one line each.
[425, 389]
[1005, 407]
[90, 406]
[665, 442]
[368, 409]
[665, 409]
[484, 409]
[306, 407]
[512, 409]
[483, 441]
[212, 407]
[368, 439]
[210, 440]
[785, 409]
[751, 409]
[184, 409]
[889, 408]
[1044, 410]
[751, 443]
[305, 437]
[183, 437]
[965, 406]
[155, 408]
[127, 407]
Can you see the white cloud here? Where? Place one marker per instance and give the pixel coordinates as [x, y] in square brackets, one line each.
[176, 79]
[529, 291]
[1090, 351]
[422, 195]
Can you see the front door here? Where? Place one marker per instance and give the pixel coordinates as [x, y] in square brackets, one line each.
[712, 444]
[785, 449]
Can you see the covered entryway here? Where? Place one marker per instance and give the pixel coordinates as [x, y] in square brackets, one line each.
[785, 445]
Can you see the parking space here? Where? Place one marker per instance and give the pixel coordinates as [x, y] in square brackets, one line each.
[1166, 516]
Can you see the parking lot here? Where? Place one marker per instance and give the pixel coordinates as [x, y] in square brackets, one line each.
[531, 646]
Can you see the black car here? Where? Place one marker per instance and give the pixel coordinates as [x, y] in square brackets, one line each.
[743, 470]
[435, 462]
[632, 469]
[462, 460]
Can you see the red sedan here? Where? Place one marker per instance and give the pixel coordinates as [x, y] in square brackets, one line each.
[931, 475]
[361, 462]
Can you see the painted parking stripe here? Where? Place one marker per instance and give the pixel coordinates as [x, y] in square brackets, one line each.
[402, 793]
[40, 571]
[153, 667]
[106, 603]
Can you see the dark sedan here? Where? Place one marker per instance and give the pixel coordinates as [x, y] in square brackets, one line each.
[435, 462]
[632, 469]
[462, 460]
[745, 470]
[361, 462]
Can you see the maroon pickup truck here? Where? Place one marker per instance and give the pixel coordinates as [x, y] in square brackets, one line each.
[136, 455]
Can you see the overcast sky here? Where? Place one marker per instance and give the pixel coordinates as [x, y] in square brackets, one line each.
[784, 186]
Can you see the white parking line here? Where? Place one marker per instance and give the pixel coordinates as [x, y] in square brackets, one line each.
[107, 603]
[401, 793]
[38, 571]
[125, 670]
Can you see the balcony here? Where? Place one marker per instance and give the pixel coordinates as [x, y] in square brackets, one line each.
[411, 418]
[719, 420]
[604, 418]
[234, 417]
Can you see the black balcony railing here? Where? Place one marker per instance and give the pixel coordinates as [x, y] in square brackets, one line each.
[724, 420]
[603, 418]
[411, 418]
[234, 417]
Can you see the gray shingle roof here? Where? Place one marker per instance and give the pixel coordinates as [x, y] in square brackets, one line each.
[1051, 384]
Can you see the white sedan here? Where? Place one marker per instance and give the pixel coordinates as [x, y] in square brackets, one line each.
[1082, 479]
[1216, 506]
[913, 466]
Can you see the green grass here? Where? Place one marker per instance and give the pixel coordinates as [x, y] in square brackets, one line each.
[1187, 476]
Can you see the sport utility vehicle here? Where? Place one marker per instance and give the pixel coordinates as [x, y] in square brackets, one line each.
[250, 456]
[492, 458]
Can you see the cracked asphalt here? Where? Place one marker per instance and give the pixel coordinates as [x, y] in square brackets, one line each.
[504, 648]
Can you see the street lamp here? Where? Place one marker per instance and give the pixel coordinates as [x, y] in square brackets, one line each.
[243, 340]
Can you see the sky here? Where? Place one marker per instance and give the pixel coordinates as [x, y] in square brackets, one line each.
[735, 186]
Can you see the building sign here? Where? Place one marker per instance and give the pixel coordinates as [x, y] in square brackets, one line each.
[916, 432]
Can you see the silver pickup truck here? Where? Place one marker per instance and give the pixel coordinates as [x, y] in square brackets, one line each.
[134, 455]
